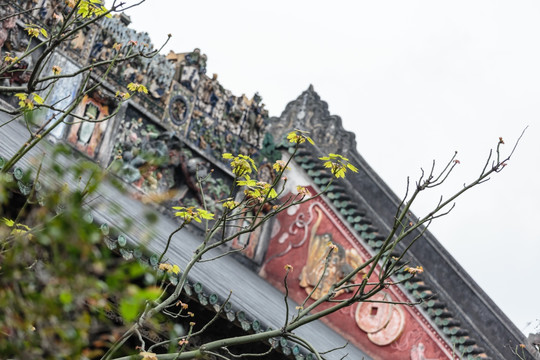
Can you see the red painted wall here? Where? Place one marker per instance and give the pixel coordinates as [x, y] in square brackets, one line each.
[300, 238]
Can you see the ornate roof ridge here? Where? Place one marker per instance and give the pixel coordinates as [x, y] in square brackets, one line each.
[308, 112]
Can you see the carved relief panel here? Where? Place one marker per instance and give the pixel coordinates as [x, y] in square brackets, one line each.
[159, 164]
[385, 329]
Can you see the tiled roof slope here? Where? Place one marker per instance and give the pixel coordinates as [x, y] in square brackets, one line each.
[454, 303]
[254, 303]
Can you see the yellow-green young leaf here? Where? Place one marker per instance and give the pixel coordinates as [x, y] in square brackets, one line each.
[230, 204]
[299, 137]
[129, 309]
[22, 226]
[38, 99]
[205, 214]
[248, 182]
[32, 30]
[352, 167]
[21, 96]
[8, 222]
[227, 156]
[18, 232]
[175, 269]
[44, 32]
[273, 194]
[280, 165]
[137, 88]
[250, 160]
[292, 137]
[340, 172]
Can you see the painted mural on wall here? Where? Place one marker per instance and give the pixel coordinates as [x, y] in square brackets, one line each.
[300, 238]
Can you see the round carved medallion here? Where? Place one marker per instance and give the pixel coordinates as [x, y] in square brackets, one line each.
[373, 316]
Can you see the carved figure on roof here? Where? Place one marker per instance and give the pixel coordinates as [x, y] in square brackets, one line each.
[156, 73]
[202, 64]
[158, 163]
[205, 91]
[189, 77]
[156, 89]
[50, 10]
[178, 110]
[197, 60]
[28, 4]
[193, 57]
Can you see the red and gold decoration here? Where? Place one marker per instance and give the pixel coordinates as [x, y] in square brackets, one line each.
[384, 327]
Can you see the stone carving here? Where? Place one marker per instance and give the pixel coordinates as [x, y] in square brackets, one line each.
[194, 106]
[160, 165]
[178, 110]
[210, 117]
[308, 112]
[156, 73]
[140, 149]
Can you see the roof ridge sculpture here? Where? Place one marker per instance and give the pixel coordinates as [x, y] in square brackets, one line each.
[308, 112]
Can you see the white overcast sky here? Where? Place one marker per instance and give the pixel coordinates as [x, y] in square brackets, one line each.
[415, 81]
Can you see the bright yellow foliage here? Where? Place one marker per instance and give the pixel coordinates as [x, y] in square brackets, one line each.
[137, 88]
[190, 213]
[338, 165]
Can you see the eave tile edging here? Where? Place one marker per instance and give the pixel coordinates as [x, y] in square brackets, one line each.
[195, 290]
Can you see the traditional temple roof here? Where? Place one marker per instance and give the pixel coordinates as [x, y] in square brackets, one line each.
[189, 119]
[255, 304]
